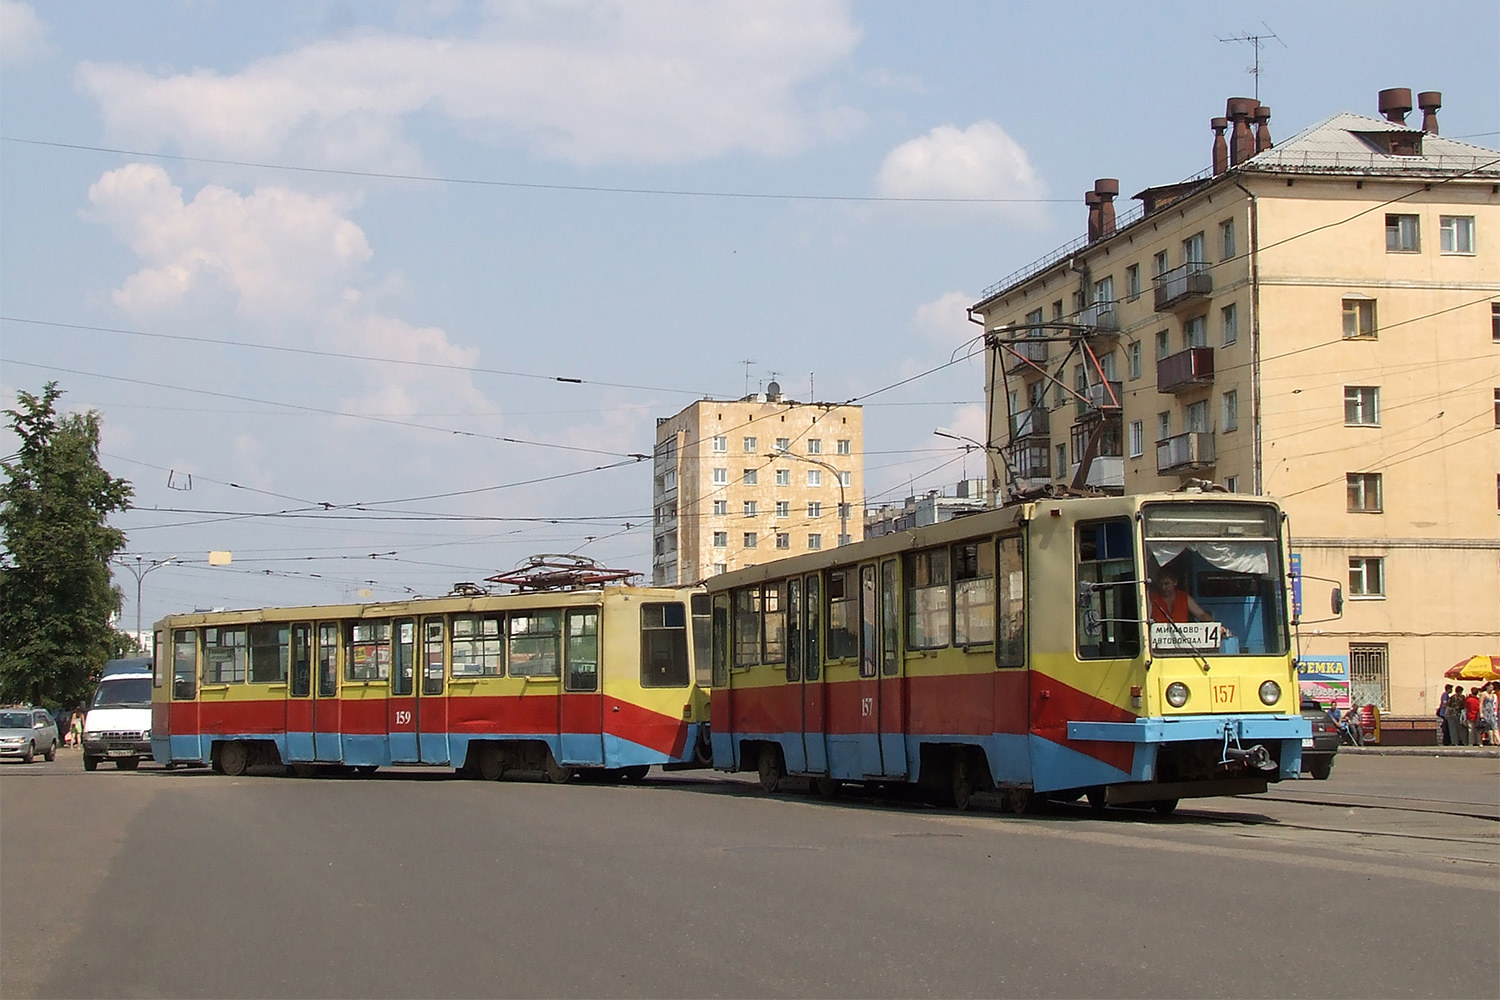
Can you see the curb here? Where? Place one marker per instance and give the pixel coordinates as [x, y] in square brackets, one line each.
[1433, 751]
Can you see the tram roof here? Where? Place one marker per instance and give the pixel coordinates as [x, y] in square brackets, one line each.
[987, 522]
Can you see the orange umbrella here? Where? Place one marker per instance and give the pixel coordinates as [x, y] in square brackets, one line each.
[1475, 668]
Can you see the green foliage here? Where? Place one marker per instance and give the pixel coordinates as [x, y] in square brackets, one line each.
[56, 597]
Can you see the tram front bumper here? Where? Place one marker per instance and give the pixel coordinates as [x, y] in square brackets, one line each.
[1244, 738]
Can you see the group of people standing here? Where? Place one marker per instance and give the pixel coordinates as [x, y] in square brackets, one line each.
[1470, 719]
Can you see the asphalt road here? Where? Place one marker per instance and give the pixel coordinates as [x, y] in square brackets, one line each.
[1381, 881]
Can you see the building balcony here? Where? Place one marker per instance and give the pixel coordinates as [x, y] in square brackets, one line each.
[1104, 400]
[1032, 352]
[1185, 452]
[1032, 460]
[1101, 322]
[1185, 370]
[1184, 286]
[1106, 472]
[1029, 424]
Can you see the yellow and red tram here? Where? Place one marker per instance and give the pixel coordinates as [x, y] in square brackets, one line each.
[602, 679]
[1030, 649]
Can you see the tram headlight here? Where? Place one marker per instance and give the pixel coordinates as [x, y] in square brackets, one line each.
[1270, 693]
[1177, 694]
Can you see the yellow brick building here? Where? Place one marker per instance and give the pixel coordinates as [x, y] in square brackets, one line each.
[1317, 320]
[742, 482]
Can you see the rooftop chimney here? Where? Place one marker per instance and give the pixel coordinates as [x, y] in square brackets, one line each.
[1241, 141]
[1395, 104]
[1262, 118]
[1091, 199]
[1429, 101]
[1221, 148]
[1106, 189]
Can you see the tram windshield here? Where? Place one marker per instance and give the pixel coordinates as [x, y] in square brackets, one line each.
[1215, 579]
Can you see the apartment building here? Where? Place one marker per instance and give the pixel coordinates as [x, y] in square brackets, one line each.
[742, 482]
[1316, 320]
[968, 497]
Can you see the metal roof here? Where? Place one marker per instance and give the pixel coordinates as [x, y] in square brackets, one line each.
[1339, 145]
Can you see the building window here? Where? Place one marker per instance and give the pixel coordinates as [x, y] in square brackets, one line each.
[814, 446]
[1104, 289]
[1229, 323]
[814, 541]
[843, 510]
[750, 477]
[1402, 234]
[1163, 425]
[783, 444]
[783, 508]
[1195, 332]
[1137, 438]
[1197, 417]
[1062, 459]
[843, 539]
[1226, 239]
[1135, 359]
[783, 540]
[1364, 492]
[1232, 483]
[815, 509]
[1366, 576]
[1359, 319]
[1133, 282]
[1159, 264]
[841, 447]
[815, 477]
[1192, 249]
[783, 477]
[1163, 344]
[721, 477]
[1370, 674]
[1231, 410]
[1497, 407]
[721, 444]
[844, 479]
[749, 445]
[1456, 234]
[748, 507]
[1362, 405]
[721, 508]
[721, 539]
[751, 540]
[1495, 322]
[720, 568]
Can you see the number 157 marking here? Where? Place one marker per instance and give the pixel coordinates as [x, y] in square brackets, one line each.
[867, 707]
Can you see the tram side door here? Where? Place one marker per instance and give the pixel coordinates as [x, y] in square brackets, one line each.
[432, 700]
[401, 707]
[869, 673]
[326, 725]
[814, 700]
[581, 708]
[892, 685]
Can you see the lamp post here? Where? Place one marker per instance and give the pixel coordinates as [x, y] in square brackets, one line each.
[140, 570]
[838, 477]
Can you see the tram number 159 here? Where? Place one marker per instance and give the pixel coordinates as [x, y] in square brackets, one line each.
[403, 718]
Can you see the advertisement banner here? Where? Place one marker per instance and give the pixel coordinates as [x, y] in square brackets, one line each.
[1296, 561]
[1325, 679]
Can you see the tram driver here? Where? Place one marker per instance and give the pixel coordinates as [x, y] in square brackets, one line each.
[1169, 603]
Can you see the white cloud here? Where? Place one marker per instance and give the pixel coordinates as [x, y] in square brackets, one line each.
[608, 81]
[23, 35]
[981, 161]
[945, 320]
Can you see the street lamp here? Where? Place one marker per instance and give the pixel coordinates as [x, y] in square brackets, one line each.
[838, 477]
[140, 571]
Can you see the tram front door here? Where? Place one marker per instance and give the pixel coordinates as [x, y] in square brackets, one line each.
[881, 702]
[417, 712]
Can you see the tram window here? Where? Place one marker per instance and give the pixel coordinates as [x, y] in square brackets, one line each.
[890, 622]
[328, 660]
[793, 631]
[369, 651]
[1010, 645]
[814, 606]
[159, 668]
[702, 639]
[432, 656]
[301, 661]
[721, 640]
[534, 640]
[406, 651]
[583, 650]
[746, 626]
[869, 621]
[843, 616]
[928, 615]
[664, 646]
[184, 663]
[224, 655]
[268, 653]
[973, 593]
[773, 610]
[478, 645]
[1108, 618]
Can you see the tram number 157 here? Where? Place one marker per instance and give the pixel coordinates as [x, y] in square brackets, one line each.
[403, 718]
[867, 707]
[1223, 694]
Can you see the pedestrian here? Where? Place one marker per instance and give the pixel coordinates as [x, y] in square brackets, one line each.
[1471, 715]
[1457, 731]
[77, 727]
[1442, 716]
[1489, 714]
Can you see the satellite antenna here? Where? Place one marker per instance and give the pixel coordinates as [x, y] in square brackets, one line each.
[1256, 41]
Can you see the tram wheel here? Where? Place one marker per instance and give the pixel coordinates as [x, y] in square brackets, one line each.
[827, 787]
[557, 773]
[234, 758]
[302, 769]
[964, 786]
[1021, 801]
[1097, 799]
[769, 768]
[1164, 807]
[492, 762]
[365, 770]
[636, 774]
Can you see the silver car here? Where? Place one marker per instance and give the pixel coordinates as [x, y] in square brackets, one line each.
[26, 732]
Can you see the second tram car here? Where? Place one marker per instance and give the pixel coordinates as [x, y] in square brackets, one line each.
[546, 682]
[1132, 649]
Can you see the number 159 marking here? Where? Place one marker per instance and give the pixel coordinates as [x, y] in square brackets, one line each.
[403, 718]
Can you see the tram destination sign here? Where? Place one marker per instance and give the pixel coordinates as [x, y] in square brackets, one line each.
[1186, 636]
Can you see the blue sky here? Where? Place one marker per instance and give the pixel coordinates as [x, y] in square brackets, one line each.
[362, 340]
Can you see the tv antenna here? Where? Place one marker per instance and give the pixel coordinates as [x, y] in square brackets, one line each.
[747, 362]
[1257, 42]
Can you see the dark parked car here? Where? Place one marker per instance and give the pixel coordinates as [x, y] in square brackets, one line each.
[1319, 749]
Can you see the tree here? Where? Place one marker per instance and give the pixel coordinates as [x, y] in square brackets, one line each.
[56, 596]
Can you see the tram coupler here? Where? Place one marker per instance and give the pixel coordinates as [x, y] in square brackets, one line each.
[1257, 758]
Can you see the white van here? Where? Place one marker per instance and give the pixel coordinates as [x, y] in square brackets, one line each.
[118, 724]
